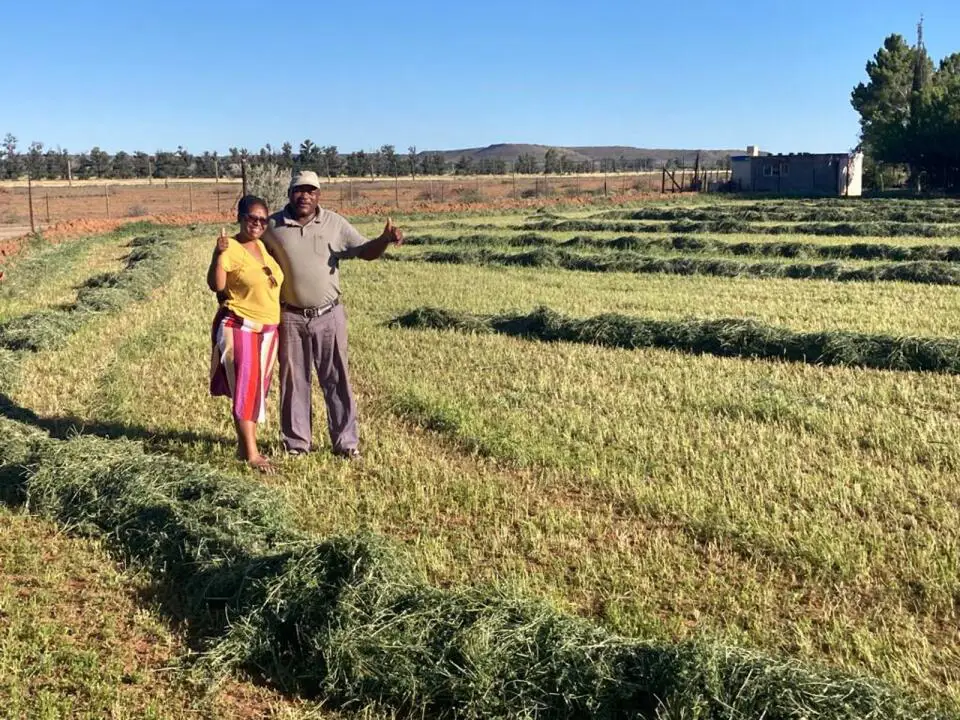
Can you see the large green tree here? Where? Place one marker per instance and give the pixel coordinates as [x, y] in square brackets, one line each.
[122, 166]
[910, 112]
[886, 101]
[12, 165]
[332, 162]
[941, 126]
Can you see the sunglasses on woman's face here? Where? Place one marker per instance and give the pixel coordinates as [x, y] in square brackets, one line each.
[269, 273]
[256, 219]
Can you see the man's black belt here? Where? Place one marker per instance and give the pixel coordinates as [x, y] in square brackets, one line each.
[310, 312]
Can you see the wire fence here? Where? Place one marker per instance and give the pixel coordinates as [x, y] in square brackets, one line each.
[38, 204]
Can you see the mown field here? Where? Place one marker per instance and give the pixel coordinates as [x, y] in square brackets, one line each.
[723, 435]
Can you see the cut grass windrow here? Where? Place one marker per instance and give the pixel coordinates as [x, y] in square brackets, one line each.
[685, 243]
[924, 272]
[48, 329]
[792, 213]
[735, 225]
[347, 620]
[733, 337]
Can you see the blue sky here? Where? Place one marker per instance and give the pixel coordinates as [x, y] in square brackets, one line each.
[442, 75]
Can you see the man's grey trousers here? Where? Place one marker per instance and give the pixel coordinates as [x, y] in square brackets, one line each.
[320, 344]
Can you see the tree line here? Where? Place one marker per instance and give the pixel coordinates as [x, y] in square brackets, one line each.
[40, 162]
[910, 112]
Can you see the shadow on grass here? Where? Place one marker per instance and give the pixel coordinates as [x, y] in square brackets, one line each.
[68, 426]
[156, 534]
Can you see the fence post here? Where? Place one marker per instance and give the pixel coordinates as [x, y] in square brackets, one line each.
[217, 193]
[33, 228]
[190, 195]
[243, 174]
[48, 208]
[396, 189]
[663, 180]
[106, 197]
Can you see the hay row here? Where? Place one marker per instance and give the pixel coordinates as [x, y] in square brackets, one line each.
[348, 621]
[727, 337]
[788, 213]
[739, 226]
[923, 272]
[686, 243]
[48, 329]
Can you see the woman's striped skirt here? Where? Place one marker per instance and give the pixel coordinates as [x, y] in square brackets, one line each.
[241, 362]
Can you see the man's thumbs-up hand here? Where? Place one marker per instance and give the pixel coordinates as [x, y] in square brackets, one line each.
[392, 234]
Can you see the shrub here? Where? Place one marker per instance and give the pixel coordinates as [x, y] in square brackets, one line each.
[470, 195]
[270, 182]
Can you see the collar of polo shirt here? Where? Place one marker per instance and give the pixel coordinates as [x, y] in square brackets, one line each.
[289, 219]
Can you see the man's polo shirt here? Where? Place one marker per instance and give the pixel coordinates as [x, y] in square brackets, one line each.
[310, 254]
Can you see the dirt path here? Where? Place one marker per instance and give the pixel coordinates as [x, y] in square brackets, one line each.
[11, 231]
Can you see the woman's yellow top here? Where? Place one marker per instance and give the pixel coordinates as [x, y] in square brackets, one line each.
[250, 292]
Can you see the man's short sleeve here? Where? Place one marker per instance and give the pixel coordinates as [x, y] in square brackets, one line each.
[348, 239]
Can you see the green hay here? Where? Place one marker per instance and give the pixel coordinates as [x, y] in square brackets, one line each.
[733, 225]
[9, 370]
[771, 212]
[347, 620]
[923, 272]
[146, 267]
[730, 337]
[686, 244]
[41, 330]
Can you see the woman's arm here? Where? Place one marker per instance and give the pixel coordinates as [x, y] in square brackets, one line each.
[219, 275]
[212, 270]
[216, 275]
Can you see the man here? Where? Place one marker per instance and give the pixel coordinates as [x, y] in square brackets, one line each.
[309, 243]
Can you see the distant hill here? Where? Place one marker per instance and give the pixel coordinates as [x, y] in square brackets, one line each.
[656, 156]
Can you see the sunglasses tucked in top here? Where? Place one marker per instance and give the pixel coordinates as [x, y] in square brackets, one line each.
[269, 273]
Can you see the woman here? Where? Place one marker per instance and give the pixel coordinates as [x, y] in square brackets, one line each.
[247, 281]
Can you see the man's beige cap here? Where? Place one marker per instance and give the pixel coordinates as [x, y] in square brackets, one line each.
[305, 177]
